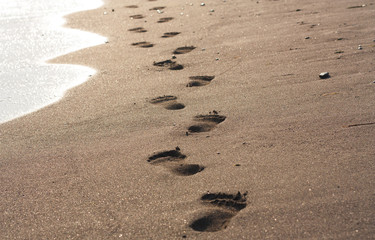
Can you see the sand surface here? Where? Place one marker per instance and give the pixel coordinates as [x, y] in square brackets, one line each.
[145, 152]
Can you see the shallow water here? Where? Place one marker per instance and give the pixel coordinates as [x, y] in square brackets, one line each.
[31, 32]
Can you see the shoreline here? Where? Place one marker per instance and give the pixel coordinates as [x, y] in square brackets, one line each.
[235, 137]
[32, 38]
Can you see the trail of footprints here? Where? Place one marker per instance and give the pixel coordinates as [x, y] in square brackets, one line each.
[221, 207]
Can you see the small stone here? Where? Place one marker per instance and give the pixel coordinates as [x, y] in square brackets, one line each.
[218, 153]
[212, 10]
[113, 10]
[324, 75]
[237, 165]
[159, 11]
[339, 39]
[174, 57]
[107, 41]
[217, 59]
[307, 37]
[203, 4]
[203, 49]
[105, 13]
[359, 47]
[298, 10]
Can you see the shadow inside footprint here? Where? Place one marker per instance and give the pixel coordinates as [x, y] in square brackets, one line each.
[168, 102]
[235, 202]
[187, 169]
[183, 50]
[137, 29]
[212, 222]
[197, 81]
[171, 65]
[172, 161]
[166, 19]
[166, 156]
[143, 44]
[170, 34]
[205, 123]
[228, 205]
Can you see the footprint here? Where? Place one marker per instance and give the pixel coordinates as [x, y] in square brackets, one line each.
[171, 65]
[156, 8]
[137, 29]
[138, 16]
[168, 102]
[172, 161]
[170, 34]
[183, 50]
[132, 6]
[197, 81]
[206, 122]
[143, 44]
[226, 206]
[166, 19]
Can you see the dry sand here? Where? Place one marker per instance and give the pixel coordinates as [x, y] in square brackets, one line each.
[300, 149]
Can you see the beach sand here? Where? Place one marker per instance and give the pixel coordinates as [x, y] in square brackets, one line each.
[235, 138]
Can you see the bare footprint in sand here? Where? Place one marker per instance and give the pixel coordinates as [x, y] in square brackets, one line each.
[138, 16]
[205, 123]
[132, 6]
[224, 208]
[173, 160]
[198, 81]
[156, 8]
[169, 64]
[170, 34]
[168, 102]
[183, 50]
[165, 19]
[143, 44]
[137, 30]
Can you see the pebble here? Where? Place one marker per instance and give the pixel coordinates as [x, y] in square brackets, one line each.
[203, 49]
[159, 11]
[307, 37]
[359, 47]
[203, 4]
[217, 59]
[212, 10]
[324, 75]
[105, 13]
[174, 57]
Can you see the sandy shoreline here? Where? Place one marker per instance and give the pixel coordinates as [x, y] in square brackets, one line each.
[102, 163]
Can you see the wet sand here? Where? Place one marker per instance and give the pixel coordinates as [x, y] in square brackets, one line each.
[236, 137]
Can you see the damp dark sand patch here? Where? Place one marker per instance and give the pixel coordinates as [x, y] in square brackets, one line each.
[169, 64]
[143, 44]
[168, 102]
[165, 19]
[137, 29]
[226, 206]
[183, 50]
[197, 81]
[170, 34]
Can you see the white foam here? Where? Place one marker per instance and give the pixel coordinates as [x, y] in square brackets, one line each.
[31, 32]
